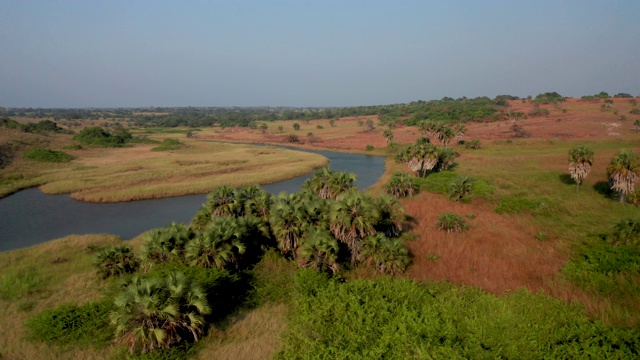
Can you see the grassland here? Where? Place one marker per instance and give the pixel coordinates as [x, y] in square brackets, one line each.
[136, 172]
[512, 262]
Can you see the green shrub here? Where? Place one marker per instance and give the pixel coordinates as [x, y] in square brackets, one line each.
[168, 144]
[438, 182]
[461, 187]
[604, 268]
[537, 111]
[319, 127]
[451, 222]
[83, 325]
[369, 147]
[635, 111]
[46, 155]
[472, 144]
[626, 232]
[402, 185]
[115, 261]
[399, 319]
[97, 136]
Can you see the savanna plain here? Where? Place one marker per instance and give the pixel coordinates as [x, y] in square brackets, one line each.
[501, 228]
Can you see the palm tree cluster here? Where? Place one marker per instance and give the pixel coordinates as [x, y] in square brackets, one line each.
[328, 223]
[440, 131]
[115, 261]
[422, 157]
[402, 185]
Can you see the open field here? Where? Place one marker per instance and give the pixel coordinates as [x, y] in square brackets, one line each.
[501, 253]
[137, 172]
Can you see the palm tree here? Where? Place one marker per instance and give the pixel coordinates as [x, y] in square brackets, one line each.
[157, 313]
[319, 250]
[351, 219]
[255, 201]
[165, 244]
[115, 260]
[388, 256]
[202, 218]
[623, 172]
[460, 187]
[329, 184]
[580, 161]
[221, 244]
[388, 134]
[402, 185]
[391, 216]
[220, 202]
[288, 220]
[446, 157]
[421, 156]
[626, 232]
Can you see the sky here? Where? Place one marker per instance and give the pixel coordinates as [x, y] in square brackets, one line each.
[96, 53]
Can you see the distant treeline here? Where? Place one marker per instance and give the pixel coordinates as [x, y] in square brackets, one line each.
[42, 127]
[444, 110]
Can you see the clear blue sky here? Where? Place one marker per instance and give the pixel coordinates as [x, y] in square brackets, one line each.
[115, 53]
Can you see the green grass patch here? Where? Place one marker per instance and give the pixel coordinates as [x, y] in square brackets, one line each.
[18, 283]
[69, 324]
[438, 182]
[168, 144]
[400, 319]
[522, 203]
[46, 155]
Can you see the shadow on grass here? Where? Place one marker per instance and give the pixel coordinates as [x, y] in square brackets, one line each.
[603, 188]
[566, 179]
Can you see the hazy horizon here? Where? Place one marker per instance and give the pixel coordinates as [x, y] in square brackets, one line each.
[118, 54]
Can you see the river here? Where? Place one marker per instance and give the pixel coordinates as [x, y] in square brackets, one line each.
[30, 217]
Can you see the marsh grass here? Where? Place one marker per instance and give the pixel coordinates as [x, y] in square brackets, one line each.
[137, 172]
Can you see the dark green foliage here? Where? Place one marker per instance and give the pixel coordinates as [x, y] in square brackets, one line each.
[70, 324]
[46, 155]
[166, 244]
[97, 136]
[635, 111]
[626, 232]
[168, 144]
[369, 147]
[606, 269]
[461, 187]
[623, 95]
[385, 255]
[42, 127]
[472, 144]
[402, 185]
[549, 98]
[115, 261]
[225, 291]
[399, 319]
[451, 222]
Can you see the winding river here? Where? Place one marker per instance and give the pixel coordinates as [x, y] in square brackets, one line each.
[31, 217]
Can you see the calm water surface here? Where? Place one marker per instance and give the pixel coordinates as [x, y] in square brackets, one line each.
[31, 217]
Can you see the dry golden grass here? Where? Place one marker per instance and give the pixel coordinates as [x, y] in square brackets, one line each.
[62, 272]
[137, 172]
[250, 335]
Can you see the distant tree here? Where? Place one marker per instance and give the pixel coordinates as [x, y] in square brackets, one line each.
[388, 135]
[369, 125]
[637, 125]
[253, 125]
[623, 95]
[624, 172]
[580, 161]
[280, 128]
[264, 127]
[296, 126]
[332, 122]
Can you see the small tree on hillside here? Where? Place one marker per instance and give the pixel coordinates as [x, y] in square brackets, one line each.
[296, 126]
[624, 172]
[388, 135]
[580, 161]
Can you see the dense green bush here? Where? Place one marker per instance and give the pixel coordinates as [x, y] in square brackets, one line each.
[472, 144]
[604, 268]
[97, 136]
[168, 144]
[399, 319]
[83, 325]
[115, 261]
[46, 155]
[402, 185]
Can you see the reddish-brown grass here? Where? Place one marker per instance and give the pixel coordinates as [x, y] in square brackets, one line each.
[498, 253]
